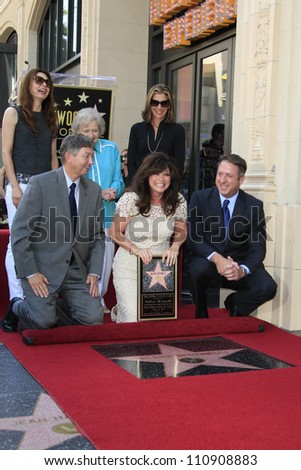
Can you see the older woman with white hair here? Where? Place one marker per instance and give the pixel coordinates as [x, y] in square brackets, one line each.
[106, 171]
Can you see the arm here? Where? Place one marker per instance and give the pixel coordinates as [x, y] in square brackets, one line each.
[117, 180]
[179, 237]
[227, 267]
[250, 235]
[197, 243]
[54, 159]
[28, 227]
[117, 233]
[39, 284]
[96, 252]
[257, 238]
[198, 239]
[132, 154]
[179, 148]
[9, 123]
[97, 237]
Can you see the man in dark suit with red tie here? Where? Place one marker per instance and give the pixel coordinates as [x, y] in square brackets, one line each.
[227, 242]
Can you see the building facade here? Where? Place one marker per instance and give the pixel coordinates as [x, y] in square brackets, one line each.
[243, 73]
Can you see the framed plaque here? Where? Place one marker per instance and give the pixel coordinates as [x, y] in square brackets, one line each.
[157, 290]
[70, 99]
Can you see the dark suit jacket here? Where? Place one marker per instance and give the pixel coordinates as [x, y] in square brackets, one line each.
[246, 240]
[42, 237]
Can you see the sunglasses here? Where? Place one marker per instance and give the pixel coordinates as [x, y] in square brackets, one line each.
[164, 104]
[40, 80]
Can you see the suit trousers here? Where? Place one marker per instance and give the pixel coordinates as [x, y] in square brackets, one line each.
[251, 291]
[71, 304]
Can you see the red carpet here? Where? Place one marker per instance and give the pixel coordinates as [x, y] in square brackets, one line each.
[258, 409]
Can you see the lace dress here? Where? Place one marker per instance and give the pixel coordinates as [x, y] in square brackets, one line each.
[151, 232]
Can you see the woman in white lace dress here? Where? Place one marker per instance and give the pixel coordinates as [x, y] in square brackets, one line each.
[146, 218]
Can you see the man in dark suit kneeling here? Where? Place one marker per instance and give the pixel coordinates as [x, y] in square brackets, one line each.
[227, 242]
[58, 245]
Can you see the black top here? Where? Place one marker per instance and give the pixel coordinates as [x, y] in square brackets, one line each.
[170, 140]
[31, 153]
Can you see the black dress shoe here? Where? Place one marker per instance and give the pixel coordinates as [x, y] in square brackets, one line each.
[232, 309]
[10, 321]
[234, 312]
[227, 306]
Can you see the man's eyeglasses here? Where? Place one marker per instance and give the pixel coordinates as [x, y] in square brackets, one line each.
[164, 104]
[40, 80]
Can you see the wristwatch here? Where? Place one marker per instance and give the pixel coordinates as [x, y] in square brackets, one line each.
[244, 270]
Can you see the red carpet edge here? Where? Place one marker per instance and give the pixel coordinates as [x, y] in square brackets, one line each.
[142, 330]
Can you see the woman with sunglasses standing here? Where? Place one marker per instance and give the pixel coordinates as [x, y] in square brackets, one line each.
[158, 132]
[29, 132]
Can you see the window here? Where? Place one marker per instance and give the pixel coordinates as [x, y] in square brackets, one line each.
[13, 39]
[8, 67]
[59, 39]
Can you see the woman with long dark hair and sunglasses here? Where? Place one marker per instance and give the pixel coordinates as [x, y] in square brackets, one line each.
[150, 220]
[29, 132]
[158, 132]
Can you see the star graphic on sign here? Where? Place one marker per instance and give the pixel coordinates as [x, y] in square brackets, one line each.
[100, 100]
[68, 102]
[47, 427]
[158, 276]
[178, 360]
[83, 97]
[101, 114]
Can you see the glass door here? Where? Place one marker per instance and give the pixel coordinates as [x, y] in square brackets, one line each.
[181, 79]
[213, 118]
[212, 125]
[201, 84]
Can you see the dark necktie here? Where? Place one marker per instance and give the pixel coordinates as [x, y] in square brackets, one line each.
[226, 214]
[73, 208]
